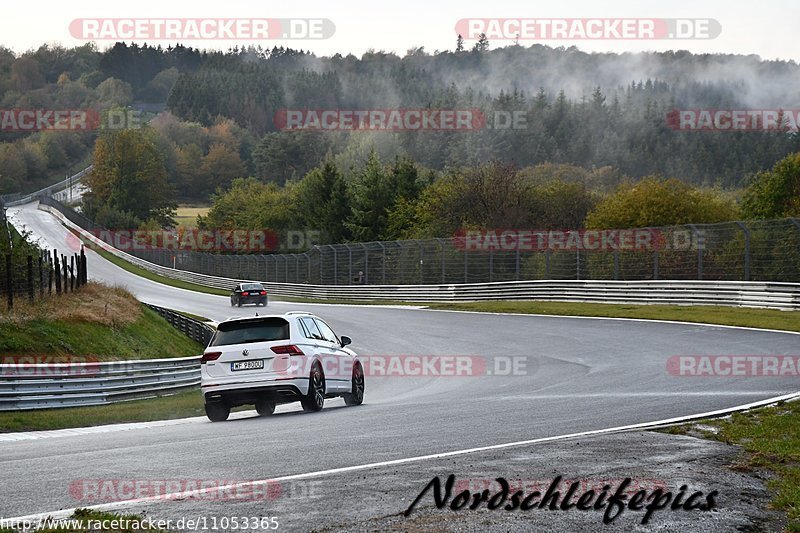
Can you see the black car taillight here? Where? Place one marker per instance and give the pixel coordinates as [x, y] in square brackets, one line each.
[210, 356]
[289, 349]
[263, 293]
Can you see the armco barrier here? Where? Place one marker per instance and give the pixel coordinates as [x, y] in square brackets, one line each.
[48, 385]
[684, 292]
[15, 199]
[194, 329]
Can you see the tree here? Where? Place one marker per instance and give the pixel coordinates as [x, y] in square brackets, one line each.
[129, 177]
[372, 197]
[220, 166]
[482, 45]
[323, 202]
[655, 202]
[460, 43]
[775, 193]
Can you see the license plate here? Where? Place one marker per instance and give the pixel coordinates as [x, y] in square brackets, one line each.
[256, 364]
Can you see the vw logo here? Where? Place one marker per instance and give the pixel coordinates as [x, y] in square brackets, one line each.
[245, 353]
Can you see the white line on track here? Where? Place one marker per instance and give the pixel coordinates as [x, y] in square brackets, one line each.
[65, 513]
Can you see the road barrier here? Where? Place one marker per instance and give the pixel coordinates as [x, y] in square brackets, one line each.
[25, 385]
[194, 329]
[48, 385]
[17, 199]
[683, 292]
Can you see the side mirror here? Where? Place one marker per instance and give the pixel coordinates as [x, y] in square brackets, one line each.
[346, 340]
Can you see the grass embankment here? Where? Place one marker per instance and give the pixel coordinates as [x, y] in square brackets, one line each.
[770, 440]
[139, 271]
[106, 323]
[97, 323]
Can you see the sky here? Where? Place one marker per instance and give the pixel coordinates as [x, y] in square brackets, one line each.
[767, 28]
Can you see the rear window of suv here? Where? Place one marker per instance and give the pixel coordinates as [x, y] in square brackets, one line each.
[262, 330]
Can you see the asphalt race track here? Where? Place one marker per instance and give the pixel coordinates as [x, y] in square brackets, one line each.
[580, 375]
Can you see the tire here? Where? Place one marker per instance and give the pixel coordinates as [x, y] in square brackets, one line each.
[265, 407]
[217, 411]
[232, 304]
[314, 399]
[356, 397]
[239, 302]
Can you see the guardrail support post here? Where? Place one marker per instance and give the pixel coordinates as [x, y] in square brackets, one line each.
[746, 232]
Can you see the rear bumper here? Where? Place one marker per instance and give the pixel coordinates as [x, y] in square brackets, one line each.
[242, 393]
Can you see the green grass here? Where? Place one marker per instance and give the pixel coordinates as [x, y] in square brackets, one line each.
[148, 337]
[770, 438]
[730, 316]
[90, 518]
[186, 215]
[181, 405]
[139, 271]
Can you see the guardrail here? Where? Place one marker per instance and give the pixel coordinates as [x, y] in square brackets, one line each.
[775, 295]
[194, 329]
[25, 386]
[16, 199]
[48, 385]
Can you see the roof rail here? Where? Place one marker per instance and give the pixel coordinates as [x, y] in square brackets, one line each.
[298, 313]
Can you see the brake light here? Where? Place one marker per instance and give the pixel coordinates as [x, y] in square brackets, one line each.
[210, 356]
[289, 349]
[263, 293]
[245, 294]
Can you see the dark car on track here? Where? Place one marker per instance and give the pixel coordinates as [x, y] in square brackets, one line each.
[249, 293]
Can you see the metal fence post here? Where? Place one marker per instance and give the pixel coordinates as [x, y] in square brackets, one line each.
[616, 264]
[700, 246]
[383, 262]
[421, 263]
[366, 264]
[655, 264]
[746, 232]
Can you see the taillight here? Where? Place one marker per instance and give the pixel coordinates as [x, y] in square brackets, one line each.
[289, 349]
[245, 294]
[263, 293]
[210, 356]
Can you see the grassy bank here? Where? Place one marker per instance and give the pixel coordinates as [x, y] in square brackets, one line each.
[770, 440]
[182, 405]
[729, 316]
[139, 271]
[106, 323]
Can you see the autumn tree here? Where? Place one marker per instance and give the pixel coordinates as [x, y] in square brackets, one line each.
[129, 177]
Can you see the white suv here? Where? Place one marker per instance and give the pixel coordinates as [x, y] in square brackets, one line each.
[272, 359]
